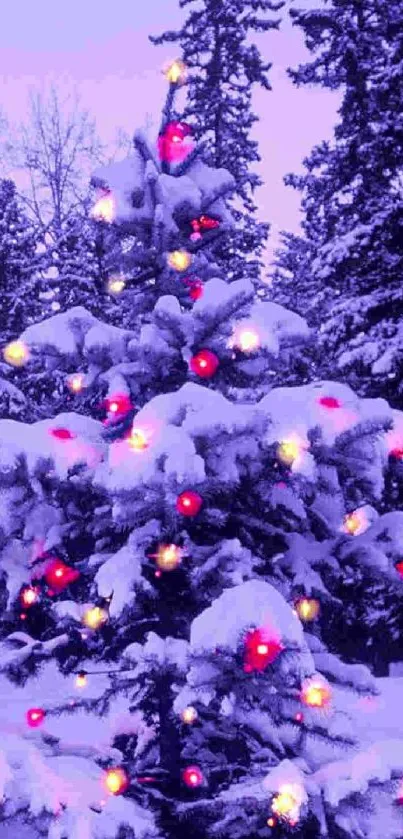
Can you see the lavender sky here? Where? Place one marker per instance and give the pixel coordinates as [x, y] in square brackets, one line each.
[101, 50]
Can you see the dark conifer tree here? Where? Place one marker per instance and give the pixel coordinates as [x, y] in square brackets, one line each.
[352, 193]
[223, 67]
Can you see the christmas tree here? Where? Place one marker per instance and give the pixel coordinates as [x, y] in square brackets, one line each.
[173, 544]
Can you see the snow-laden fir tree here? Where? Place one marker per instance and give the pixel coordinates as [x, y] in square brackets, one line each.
[352, 197]
[18, 264]
[153, 568]
[223, 68]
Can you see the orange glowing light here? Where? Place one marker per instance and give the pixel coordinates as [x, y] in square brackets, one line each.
[95, 617]
[175, 73]
[16, 353]
[104, 208]
[116, 285]
[138, 440]
[271, 822]
[116, 781]
[286, 804]
[168, 557]
[81, 680]
[288, 451]
[246, 338]
[307, 609]
[189, 714]
[29, 596]
[354, 523]
[179, 260]
[316, 694]
[75, 383]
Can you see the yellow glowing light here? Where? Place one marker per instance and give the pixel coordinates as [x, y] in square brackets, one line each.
[189, 714]
[81, 680]
[138, 440]
[288, 451]
[315, 694]
[176, 72]
[95, 617]
[75, 383]
[16, 353]
[286, 804]
[179, 260]
[116, 780]
[271, 822]
[354, 523]
[307, 609]
[168, 557]
[104, 208]
[116, 285]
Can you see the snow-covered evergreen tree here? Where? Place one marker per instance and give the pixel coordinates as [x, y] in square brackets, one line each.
[223, 67]
[154, 569]
[352, 194]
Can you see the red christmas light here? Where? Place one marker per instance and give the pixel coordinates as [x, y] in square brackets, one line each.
[299, 717]
[58, 575]
[192, 776]
[119, 404]
[189, 503]
[196, 291]
[202, 223]
[329, 402]
[397, 454]
[261, 648]
[35, 716]
[62, 434]
[29, 596]
[399, 567]
[116, 781]
[204, 364]
[171, 145]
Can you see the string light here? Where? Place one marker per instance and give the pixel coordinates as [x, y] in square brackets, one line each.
[116, 285]
[175, 73]
[81, 679]
[104, 207]
[168, 557]
[179, 260]
[116, 781]
[189, 503]
[287, 802]
[35, 717]
[288, 451]
[315, 693]
[192, 776]
[16, 353]
[204, 364]
[261, 648]
[189, 714]
[307, 609]
[75, 383]
[95, 617]
[138, 440]
[355, 523]
[29, 596]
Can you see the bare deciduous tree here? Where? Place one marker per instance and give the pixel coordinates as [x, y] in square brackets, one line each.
[52, 154]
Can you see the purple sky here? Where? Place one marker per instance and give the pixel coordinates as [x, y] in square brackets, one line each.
[102, 50]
